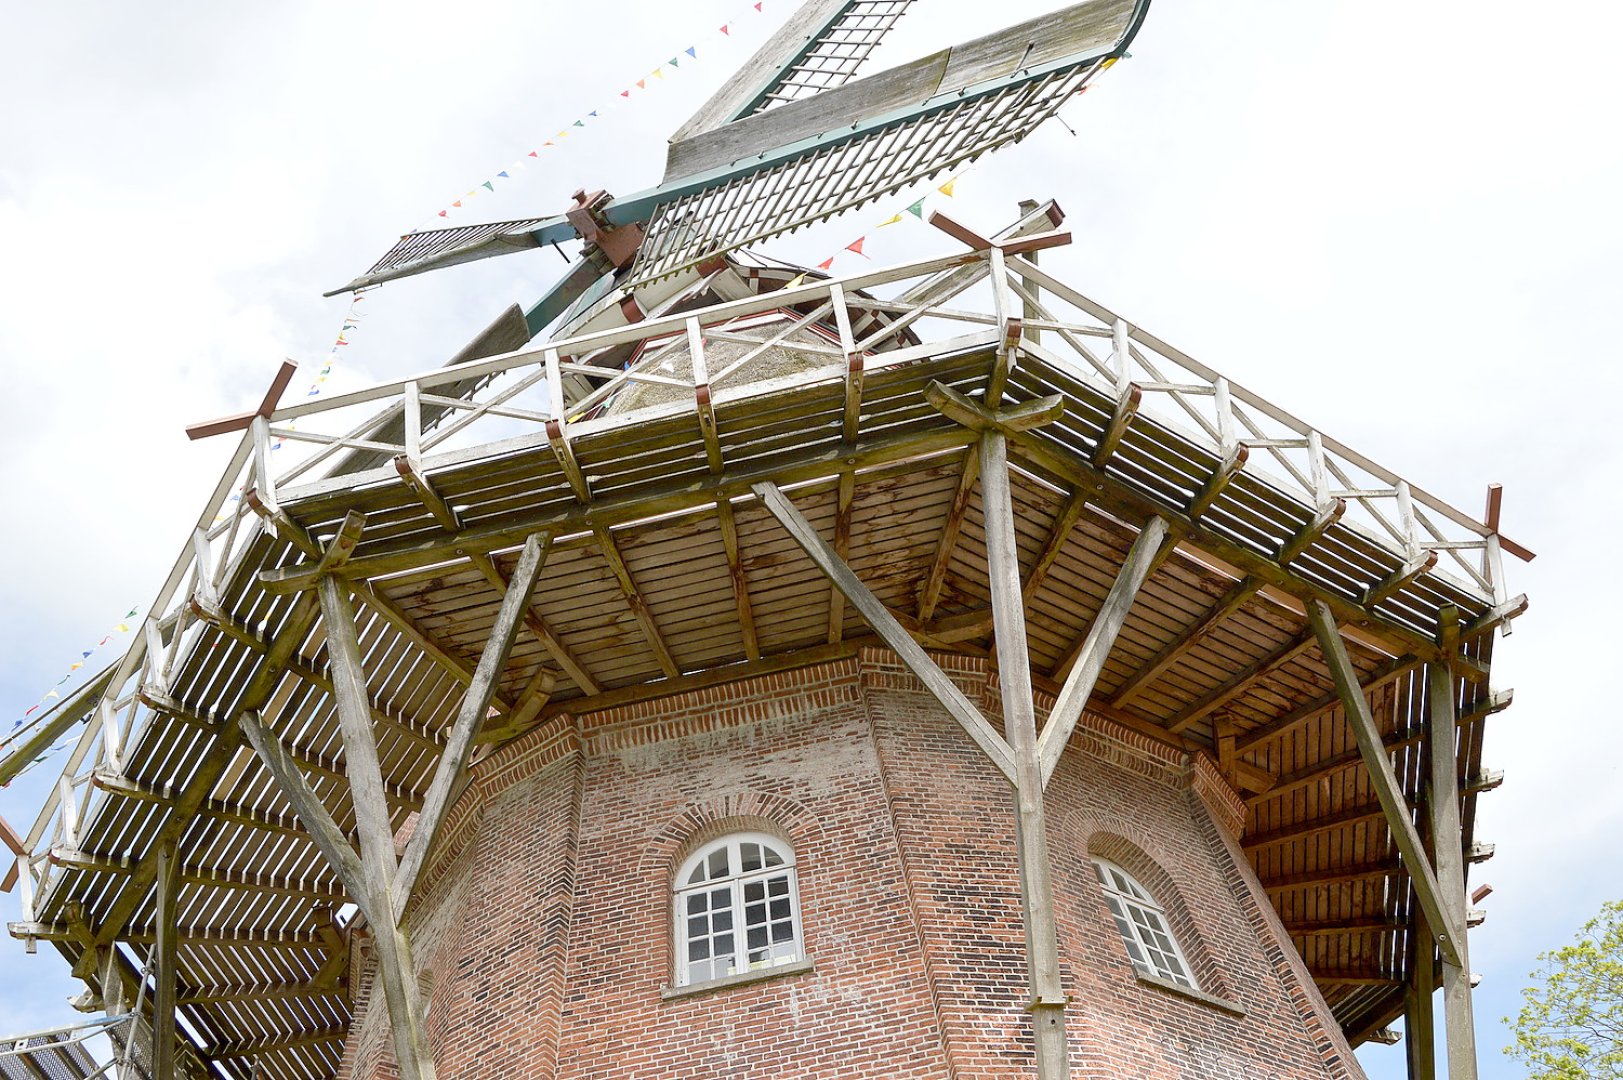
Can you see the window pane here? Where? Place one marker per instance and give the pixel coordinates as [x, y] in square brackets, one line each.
[749, 857]
[783, 931]
[754, 890]
[772, 857]
[717, 863]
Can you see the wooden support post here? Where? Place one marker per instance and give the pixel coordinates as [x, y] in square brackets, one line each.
[1152, 544]
[395, 968]
[1418, 1023]
[1444, 798]
[165, 956]
[1020, 726]
[1448, 934]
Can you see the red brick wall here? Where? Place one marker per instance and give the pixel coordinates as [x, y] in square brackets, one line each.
[544, 926]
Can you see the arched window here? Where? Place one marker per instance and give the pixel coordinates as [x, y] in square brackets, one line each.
[737, 909]
[1143, 926]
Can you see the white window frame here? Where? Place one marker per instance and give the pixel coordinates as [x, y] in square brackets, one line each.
[736, 882]
[1145, 930]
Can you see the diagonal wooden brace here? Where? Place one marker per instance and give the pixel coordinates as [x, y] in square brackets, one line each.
[1384, 780]
[884, 624]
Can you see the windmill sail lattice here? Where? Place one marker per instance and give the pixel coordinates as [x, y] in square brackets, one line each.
[799, 143]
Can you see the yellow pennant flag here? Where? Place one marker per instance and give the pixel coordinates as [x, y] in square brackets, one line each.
[893, 219]
[796, 280]
[946, 189]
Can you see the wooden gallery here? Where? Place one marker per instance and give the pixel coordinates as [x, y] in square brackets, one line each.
[721, 669]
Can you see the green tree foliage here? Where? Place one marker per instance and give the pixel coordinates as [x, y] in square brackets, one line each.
[1571, 1027]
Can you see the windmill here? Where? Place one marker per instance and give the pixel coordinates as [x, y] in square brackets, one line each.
[366, 650]
[792, 140]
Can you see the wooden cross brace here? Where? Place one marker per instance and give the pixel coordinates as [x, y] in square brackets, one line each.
[1026, 761]
[241, 421]
[381, 883]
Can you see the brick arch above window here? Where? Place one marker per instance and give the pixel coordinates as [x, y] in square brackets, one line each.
[746, 811]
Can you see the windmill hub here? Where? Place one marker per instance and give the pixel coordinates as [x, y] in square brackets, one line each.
[614, 246]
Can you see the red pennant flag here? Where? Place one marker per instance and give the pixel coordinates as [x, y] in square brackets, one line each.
[826, 263]
[725, 30]
[444, 212]
[625, 93]
[856, 246]
[757, 7]
[534, 154]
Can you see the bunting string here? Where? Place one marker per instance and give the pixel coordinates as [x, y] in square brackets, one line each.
[679, 60]
[37, 712]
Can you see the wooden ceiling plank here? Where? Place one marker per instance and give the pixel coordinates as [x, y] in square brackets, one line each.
[1284, 725]
[1242, 682]
[1231, 601]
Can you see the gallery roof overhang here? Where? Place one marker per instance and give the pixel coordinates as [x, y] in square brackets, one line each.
[663, 570]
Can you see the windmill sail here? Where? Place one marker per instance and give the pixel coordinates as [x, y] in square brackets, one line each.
[819, 48]
[813, 158]
[791, 160]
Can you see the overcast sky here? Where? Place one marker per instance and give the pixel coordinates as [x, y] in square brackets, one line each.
[1397, 220]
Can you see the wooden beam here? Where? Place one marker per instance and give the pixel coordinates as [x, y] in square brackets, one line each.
[889, 630]
[1245, 680]
[634, 600]
[1126, 408]
[313, 814]
[1326, 516]
[1057, 535]
[977, 417]
[1284, 725]
[470, 717]
[677, 496]
[1443, 798]
[1153, 543]
[1353, 976]
[930, 591]
[842, 548]
[227, 993]
[165, 960]
[1385, 782]
[271, 1044]
[740, 580]
[1336, 927]
[1230, 467]
[1047, 1004]
[1357, 814]
[373, 822]
[1333, 875]
[1309, 775]
[1400, 579]
[1229, 603]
